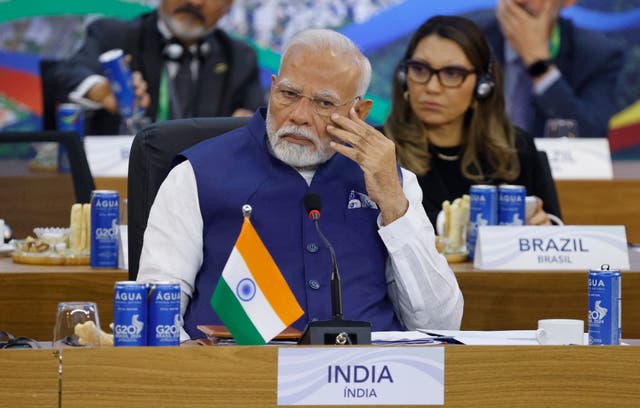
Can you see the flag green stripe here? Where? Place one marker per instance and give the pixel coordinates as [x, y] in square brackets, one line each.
[230, 311]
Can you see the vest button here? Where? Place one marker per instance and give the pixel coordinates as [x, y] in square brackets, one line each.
[312, 247]
[314, 284]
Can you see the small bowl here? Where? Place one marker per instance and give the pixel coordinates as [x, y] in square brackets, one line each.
[52, 235]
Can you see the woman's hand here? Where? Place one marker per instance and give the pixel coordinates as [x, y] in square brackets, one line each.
[539, 217]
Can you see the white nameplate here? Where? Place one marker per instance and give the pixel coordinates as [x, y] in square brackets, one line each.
[577, 158]
[108, 156]
[575, 247]
[361, 376]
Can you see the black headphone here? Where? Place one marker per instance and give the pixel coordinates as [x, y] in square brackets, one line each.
[173, 50]
[401, 76]
[484, 84]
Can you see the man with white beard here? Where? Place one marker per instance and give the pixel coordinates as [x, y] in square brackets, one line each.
[311, 139]
[184, 66]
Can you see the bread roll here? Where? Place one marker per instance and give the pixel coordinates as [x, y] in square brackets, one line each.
[75, 224]
[86, 228]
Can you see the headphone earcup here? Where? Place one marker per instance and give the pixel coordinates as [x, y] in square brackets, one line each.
[204, 50]
[401, 77]
[484, 87]
[173, 51]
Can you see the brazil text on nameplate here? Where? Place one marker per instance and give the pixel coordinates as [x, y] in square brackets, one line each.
[577, 247]
[577, 158]
[361, 376]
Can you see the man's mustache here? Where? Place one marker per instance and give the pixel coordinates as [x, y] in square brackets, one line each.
[191, 9]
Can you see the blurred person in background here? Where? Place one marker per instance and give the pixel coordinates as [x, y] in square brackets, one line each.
[554, 69]
[449, 123]
[184, 66]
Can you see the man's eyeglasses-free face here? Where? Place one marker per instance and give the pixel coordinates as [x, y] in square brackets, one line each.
[451, 76]
[323, 106]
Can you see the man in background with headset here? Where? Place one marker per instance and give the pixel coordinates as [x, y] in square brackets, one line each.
[183, 66]
[554, 69]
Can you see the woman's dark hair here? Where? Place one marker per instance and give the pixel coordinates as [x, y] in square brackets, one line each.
[487, 135]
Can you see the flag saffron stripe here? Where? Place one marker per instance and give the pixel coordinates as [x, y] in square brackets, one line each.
[232, 314]
[270, 280]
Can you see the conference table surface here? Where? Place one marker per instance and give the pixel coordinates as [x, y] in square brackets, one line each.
[494, 300]
[246, 376]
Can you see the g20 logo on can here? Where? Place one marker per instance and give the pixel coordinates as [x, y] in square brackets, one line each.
[131, 330]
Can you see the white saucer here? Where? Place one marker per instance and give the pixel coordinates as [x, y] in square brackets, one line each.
[6, 249]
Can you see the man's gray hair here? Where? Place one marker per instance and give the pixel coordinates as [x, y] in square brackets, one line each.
[323, 39]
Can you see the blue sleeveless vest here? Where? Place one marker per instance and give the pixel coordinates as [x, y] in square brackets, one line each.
[236, 169]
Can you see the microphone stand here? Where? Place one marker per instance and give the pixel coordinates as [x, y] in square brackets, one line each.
[337, 330]
[336, 283]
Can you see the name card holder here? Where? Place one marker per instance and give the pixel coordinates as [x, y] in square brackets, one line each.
[571, 247]
[577, 158]
[108, 156]
[351, 375]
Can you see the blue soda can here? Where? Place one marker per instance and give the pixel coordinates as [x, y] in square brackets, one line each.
[71, 119]
[120, 80]
[164, 314]
[605, 306]
[130, 314]
[511, 204]
[104, 228]
[483, 211]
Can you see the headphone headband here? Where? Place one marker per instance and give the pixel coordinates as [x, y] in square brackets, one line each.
[484, 84]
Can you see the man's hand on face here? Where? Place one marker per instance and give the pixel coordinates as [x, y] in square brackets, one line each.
[528, 34]
[376, 156]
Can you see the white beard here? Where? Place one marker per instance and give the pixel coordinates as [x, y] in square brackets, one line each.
[185, 31]
[296, 155]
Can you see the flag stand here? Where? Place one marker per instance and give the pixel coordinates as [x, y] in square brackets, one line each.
[336, 332]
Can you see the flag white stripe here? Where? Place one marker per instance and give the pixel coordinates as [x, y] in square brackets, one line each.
[262, 315]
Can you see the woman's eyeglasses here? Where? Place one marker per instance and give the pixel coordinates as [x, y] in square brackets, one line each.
[451, 76]
[322, 106]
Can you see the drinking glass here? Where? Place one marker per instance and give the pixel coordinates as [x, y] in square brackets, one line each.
[556, 128]
[77, 324]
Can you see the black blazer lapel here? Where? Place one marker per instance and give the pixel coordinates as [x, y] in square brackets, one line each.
[212, 79]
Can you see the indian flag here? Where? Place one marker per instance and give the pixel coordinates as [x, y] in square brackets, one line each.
[252, 298]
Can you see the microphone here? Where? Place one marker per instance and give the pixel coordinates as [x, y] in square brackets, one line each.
[335, 331]
[313, 205]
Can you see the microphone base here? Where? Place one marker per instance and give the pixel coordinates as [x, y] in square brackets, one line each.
[336, 332]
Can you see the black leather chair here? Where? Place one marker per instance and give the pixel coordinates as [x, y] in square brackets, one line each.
[151, 159]
[552, 205]
[51, 95]
[80, 173]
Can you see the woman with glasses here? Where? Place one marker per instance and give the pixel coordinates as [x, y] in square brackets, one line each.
[449, 124]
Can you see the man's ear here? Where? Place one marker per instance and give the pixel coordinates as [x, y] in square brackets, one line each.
[363, 107]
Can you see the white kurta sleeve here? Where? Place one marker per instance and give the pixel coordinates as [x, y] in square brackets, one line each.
[421, 285]
[172, 248]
